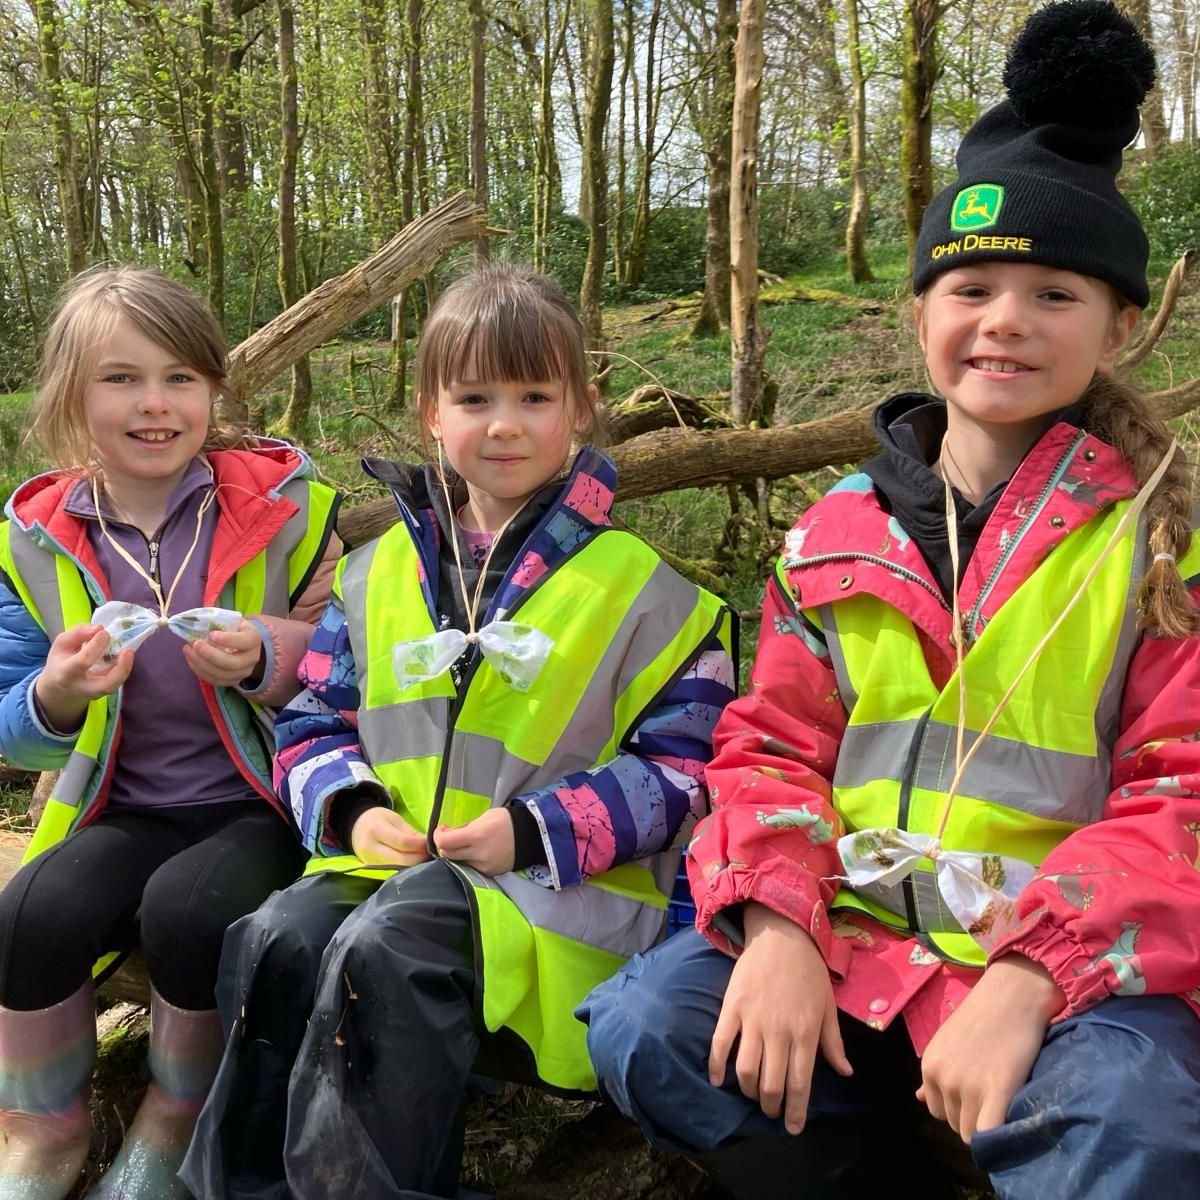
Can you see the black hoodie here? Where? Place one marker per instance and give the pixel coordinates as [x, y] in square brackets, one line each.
[910, 428]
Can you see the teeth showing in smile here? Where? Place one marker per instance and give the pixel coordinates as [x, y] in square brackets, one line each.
[995, 364]
[154, 435]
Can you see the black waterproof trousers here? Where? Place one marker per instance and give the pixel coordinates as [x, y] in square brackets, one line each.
[352, 1021]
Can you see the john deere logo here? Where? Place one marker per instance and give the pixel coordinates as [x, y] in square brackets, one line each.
[977, 207]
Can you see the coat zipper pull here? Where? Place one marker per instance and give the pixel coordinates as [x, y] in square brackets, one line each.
[153, 547]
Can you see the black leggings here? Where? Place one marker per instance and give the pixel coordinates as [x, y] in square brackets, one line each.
[168, 879]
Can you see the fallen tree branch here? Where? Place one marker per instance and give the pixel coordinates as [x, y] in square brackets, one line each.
[1166, 309]
[336, 303]
[651, 407]
[666, 460]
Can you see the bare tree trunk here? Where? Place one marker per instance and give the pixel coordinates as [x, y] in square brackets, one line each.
[214, 225]
[1185, 67]
[628, 26]
[69, 194]
[714, 306]
[641, 213]
[916, 103]
[749, 343]
[1154, 124]
[295, 418]
[856, 223]
[600, 72]
[548, 183]
[479, 177]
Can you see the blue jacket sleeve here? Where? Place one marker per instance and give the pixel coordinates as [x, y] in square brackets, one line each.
[637, 804]
[316, 736]
[25, 741]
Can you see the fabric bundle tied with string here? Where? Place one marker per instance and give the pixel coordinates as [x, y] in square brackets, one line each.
[517, 652]
[128, 625]
[979, 889]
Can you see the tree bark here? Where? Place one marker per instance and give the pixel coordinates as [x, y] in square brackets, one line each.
[718, 134]
[294, 422]
[748, 341]
[856, 223]
[600, 73]
[1154, 123]
[640, 235]
[479, 173]
[916, 104]
[214, 224]
[69, 192]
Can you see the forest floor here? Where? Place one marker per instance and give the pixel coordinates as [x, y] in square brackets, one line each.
[832, 346]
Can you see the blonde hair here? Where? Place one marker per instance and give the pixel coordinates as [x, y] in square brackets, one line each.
[1117, 413]
[95, 300]
[508, 322]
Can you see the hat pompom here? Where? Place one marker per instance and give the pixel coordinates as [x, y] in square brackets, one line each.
[1079, 62]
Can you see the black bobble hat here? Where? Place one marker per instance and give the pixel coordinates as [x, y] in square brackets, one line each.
[1037, 173]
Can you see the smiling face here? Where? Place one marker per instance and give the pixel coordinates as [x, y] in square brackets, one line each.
[1010, 344]
[146, 412]
[505, 438]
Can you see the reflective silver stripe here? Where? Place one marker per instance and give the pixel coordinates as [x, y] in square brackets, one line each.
[836, 658]
[277, 595]
[587, 914]
[37, 567]
[1108, 706]
[354, 601]
[483, 766]
[1053, 784]
[73, 778]
[394, 732]
[651, 623]
[932, 914]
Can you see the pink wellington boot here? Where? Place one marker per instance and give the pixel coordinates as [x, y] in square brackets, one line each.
[46, 1061]
[185, 1049]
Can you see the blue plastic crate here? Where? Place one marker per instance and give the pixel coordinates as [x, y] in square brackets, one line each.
[681, 910]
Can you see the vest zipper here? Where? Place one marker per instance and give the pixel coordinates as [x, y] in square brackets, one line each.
[472, 666]
[1009, 550]
[914, 752]
[152, 546]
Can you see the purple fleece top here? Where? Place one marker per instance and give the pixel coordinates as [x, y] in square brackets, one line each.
[170, 752]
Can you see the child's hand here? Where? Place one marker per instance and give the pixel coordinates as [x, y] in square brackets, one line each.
[984, 1052]
[779, 1008]
[487, 843]
[225, 658]
[68, 683]
[383, 836]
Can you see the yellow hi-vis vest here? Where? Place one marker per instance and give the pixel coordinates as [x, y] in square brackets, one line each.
[1045, 768]
[60, 594]
[625, 628]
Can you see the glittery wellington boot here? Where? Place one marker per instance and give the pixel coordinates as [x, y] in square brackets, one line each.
[46, 1061]
[185, 1048]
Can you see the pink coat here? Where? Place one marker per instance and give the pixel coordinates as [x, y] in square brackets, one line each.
[776, 748]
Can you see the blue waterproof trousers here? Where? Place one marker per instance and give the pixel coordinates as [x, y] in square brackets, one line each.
[1111, 1110]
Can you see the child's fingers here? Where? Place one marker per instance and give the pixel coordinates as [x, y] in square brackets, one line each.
[72, 640]
[93, 647]
[832, 1046]
[453, 840]
[238, 641]
[722, 1043]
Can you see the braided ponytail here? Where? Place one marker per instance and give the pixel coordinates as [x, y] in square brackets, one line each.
[1116, 413]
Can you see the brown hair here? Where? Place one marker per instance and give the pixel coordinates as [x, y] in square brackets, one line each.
[509, 322]
[165, 311]
[1117, 413]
